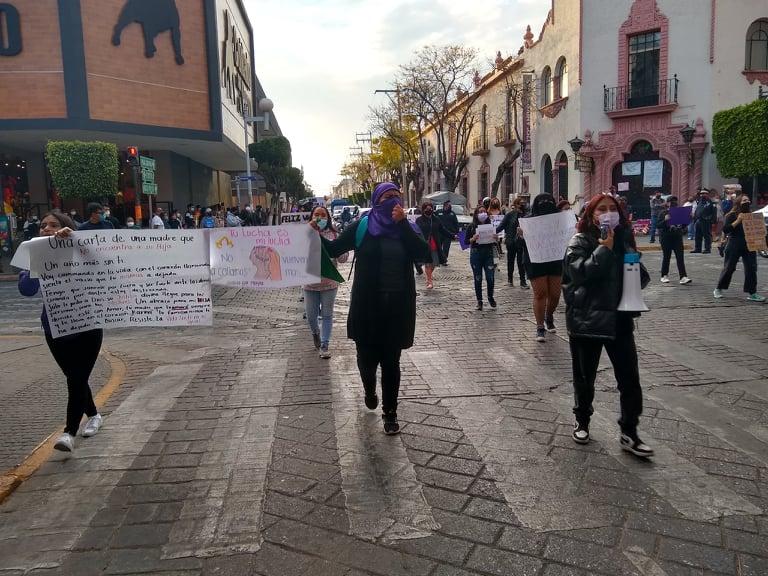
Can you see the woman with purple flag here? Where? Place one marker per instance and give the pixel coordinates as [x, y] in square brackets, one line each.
[382, 310]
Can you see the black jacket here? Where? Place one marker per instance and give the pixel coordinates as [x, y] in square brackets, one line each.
[705, 211]
[665, 230]
[363, 322]
[449, 221]
[432, 226]
[509, 226]
[592, 287]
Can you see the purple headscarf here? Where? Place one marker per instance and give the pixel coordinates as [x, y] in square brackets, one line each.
[380, 221]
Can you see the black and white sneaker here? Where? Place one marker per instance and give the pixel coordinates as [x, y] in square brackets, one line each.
[550, 325]
[635, 446]
[580, 433]
[541, 334]
[391, 425]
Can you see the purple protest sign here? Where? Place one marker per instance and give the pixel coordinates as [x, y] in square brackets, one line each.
[680, 216]
[463, 239]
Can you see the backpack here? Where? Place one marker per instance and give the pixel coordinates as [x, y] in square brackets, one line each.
[232, 220]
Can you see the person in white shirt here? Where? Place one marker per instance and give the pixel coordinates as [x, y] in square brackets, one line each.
[157, 220]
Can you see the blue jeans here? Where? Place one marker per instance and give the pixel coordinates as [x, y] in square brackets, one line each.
[482, 260]
[319, 305]
[691, 229]
[654, 218]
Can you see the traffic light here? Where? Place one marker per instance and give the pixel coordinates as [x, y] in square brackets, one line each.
[133, 156]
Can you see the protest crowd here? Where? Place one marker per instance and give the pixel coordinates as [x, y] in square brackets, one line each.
[586, 254]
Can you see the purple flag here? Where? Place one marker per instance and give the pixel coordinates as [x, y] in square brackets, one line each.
[680, 216]
[463, 239]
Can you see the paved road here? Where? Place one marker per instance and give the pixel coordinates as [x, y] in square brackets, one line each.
[234, 450]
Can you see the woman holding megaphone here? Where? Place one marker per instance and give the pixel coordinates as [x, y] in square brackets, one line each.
[597, 317]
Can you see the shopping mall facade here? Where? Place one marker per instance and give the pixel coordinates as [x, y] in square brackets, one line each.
[172, 77]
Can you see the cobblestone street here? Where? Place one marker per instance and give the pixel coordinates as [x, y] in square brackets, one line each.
[234, 450]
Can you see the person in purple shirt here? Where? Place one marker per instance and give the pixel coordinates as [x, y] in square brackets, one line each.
[75, 354]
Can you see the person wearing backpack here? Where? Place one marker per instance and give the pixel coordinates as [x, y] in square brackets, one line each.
[382, 309]
[208, 221]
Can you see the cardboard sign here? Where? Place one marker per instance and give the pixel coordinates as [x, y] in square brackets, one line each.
[547, 237]
[119, 278]
[265, 257]
[754, 231]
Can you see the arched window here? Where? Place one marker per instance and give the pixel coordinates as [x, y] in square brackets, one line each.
[757, 45]
[561, 79]
[561, 161]
[546, 175]
[546, 86]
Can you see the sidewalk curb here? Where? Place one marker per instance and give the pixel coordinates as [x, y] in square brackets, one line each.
[8, 277]
[13, 478]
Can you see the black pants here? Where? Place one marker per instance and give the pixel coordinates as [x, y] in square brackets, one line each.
[703, 231]
[482, 261]
[445, 249]
[585, 356]
[732, 257]
[370, 358]
[672, 243]
[76, 356]
[515, 252]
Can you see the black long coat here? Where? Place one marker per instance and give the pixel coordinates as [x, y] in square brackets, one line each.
[367, 324]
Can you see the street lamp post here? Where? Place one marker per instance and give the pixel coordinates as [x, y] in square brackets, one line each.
[265, 107]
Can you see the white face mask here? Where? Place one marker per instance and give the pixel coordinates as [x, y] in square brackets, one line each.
[129, 223]
[482, 216]
[610, 219]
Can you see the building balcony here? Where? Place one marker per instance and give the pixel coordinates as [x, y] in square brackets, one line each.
[505, 136]
[622, 101]
[480, 146]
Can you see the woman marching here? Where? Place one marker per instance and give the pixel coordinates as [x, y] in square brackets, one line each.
[736, 249]
[481, 258]
[545, 277]
[592, 289]
[382, 310]
[434, 233]
[75, 354]
[319, 298]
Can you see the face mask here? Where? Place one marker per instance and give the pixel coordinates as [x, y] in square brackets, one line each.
[746, 207]
[102, 216]
[72, 213]
[322, 222]
[482, 216]
[106, 213]
[610, 219]
[129, 223]
[389, 204]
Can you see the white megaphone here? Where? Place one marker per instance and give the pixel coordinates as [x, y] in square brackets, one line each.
[632, 294]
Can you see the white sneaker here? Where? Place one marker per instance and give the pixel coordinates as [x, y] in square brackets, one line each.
[717, 293]
[685, 280]
[665, 280]
[65, 443]
[92, 426]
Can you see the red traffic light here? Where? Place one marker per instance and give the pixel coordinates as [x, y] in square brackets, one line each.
[133, 156]
[133, 151]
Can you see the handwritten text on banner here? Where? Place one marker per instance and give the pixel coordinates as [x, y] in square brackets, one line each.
[265, 257]
[119, 278]
[547, 237]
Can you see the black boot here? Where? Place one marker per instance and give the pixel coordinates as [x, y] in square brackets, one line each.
[391, 425]
[479, 305]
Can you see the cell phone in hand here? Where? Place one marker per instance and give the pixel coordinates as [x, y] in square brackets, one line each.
[604, 229]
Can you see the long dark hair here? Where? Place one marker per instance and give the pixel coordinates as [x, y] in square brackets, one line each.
[736, 208]
[64, 219]
[587, 223]
[475, 221]
[328, 226]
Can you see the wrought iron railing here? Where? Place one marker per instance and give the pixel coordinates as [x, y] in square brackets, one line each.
[633, 96]
[504, 135]
[480, 144]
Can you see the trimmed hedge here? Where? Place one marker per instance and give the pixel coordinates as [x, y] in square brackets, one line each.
[740, 138]
[86, 170]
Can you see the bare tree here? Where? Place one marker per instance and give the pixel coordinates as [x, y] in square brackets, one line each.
[438, 91]
[514, 94]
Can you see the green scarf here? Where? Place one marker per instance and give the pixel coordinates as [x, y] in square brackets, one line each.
[327, 269]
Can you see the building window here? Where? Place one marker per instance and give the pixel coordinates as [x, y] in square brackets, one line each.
[509, 183]
[546, 174]
[561, 79]
[465, 186]
[482, 183]
[757, 46]
[561, 161]
[644, 57]
[546, 86]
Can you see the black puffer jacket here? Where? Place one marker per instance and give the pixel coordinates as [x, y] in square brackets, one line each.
[592, 286]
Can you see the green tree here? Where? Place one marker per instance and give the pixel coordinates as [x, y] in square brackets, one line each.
[86, 170]
[740, 142]
[274, 158]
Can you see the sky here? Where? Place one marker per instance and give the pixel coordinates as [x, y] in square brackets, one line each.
[321, 60]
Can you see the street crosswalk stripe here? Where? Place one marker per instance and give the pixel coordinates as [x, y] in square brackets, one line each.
[384, 499]
[120, 440]
[540, 494]
[685, 486]
[227, 518]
